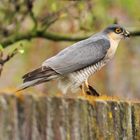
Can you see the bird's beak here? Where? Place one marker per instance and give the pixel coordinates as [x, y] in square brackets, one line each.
[126, 34]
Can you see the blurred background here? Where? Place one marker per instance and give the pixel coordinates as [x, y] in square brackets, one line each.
[43, 28]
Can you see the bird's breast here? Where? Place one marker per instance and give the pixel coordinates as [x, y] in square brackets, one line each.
[80, 76]
[113, 47]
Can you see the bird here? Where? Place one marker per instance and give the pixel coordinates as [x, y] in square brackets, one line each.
[73, 65]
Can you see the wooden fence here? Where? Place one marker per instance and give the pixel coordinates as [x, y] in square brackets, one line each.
[56, 118]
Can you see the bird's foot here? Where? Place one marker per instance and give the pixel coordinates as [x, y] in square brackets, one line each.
[91, 91]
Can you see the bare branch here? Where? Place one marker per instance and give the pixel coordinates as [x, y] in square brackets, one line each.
[135, 33]
[38, 34]
[51, 18]
[49, 36]
[5, 59]
[29, 4]
[9, 56]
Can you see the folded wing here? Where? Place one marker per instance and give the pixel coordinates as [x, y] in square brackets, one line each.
[78, 56]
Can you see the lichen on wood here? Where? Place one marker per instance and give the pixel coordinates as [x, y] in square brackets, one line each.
[59, 118]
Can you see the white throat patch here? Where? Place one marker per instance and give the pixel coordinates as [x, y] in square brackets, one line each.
[114, 41]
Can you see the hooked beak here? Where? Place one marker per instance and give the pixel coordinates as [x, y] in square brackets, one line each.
[126, 34]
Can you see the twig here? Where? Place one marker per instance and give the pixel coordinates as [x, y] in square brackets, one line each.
[51, 18]
[5, 59]
[31, 13]
[34, 20]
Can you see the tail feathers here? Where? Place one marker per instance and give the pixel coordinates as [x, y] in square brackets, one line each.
[33, 72]
[38, 76]
[39, 73]
[30, 83]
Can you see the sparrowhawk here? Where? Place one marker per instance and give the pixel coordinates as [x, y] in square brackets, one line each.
[73, 65]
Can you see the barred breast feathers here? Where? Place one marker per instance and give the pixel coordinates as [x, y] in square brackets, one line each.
[80, 76]
[75, 79]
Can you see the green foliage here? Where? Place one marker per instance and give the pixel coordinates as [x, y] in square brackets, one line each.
[1, 47]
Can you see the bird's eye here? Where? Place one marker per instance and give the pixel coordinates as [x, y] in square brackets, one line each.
[118, 30]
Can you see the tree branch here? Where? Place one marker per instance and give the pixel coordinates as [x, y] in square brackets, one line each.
[38, 34]
[135, 33]
[4, 59]
[51, 18]
[49, 36]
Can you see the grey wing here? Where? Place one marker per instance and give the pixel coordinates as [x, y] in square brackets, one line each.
[79, 55]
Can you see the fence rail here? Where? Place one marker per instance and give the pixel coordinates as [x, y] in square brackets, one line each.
[55, 118]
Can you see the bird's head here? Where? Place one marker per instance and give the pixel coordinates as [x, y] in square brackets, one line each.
[116, 32]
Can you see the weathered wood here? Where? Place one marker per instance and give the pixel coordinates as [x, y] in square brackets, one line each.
[56, 118]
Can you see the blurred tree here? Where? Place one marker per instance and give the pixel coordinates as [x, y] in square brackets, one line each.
[29, 23]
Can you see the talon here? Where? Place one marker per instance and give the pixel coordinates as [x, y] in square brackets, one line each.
[89, 90]
[92, 91]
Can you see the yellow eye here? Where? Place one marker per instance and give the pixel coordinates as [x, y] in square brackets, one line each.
[118, 30]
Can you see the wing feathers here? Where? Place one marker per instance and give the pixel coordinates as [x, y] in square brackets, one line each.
[42, 72]
[79, 55]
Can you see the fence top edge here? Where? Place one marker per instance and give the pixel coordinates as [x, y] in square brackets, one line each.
[90, 99]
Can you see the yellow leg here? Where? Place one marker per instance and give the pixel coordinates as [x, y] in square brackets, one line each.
[84, 87]
[86, 84]
[83, 90]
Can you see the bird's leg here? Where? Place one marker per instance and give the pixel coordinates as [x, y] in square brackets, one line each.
[86, 84]
[83, 90]
[91, 90]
